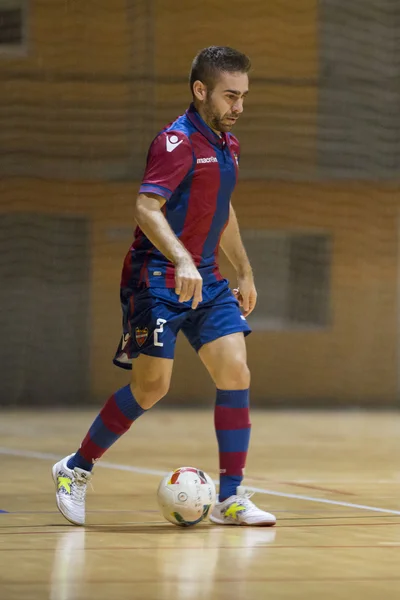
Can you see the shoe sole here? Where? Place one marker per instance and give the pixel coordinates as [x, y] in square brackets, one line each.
[263, 524]
[54, 474]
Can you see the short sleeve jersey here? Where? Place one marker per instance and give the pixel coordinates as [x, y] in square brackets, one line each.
[195, 170]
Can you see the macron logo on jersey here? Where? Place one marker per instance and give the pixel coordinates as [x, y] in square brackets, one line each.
[210, 159]
[173, 142]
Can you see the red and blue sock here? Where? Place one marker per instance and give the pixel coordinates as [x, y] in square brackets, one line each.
[114, 419]
[232, 426]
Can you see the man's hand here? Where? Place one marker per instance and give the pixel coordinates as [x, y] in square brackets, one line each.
[246, 293]
[188, 281]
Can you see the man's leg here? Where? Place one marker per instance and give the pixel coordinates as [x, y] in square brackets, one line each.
[150, 382]
[226, 361]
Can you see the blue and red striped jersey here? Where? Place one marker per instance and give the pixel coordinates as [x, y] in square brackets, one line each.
[195, 170]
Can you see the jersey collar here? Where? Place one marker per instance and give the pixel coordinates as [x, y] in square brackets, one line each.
[196, 120]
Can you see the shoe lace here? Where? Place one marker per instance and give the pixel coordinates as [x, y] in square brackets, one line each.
[244, 498]
[79, 487]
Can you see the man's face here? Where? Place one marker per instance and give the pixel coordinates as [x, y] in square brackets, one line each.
[224, 104]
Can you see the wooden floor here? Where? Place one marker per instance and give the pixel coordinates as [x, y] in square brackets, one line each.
[332, 479]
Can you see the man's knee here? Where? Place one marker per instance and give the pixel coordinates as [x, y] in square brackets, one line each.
[148, 392]
[234, 375]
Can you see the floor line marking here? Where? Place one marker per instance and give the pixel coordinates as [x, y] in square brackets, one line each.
[145, 471]
[264, 546]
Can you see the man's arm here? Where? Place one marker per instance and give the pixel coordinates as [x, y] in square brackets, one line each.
[232, 245]
[148, 215]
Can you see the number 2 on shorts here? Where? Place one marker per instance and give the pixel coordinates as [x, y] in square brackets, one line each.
[160, 329]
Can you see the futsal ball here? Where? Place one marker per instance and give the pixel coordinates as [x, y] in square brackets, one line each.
[186, 496]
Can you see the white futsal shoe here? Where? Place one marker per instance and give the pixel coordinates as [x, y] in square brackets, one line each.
[240, 510]
[71, 486]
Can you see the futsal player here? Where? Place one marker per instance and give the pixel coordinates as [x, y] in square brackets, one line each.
[171, 282]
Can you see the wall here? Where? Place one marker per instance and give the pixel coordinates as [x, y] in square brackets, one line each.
[352, 361]
[281, 38]
[77, 114]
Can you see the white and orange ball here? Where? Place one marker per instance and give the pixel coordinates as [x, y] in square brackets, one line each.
[186, 496]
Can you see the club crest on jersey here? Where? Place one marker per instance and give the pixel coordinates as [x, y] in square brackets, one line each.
[236, 158]
[141, 335]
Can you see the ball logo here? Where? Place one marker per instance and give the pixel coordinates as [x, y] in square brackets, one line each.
[202, 476]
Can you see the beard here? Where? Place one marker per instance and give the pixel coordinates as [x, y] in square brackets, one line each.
[216, 121]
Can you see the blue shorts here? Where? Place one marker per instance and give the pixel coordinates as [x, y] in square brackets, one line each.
[152, 318]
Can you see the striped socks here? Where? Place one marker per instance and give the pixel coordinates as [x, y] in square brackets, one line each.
[232, 426]
[114, 419]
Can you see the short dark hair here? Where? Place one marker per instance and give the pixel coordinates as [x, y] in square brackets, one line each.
[211, 61]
